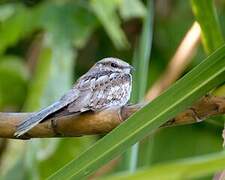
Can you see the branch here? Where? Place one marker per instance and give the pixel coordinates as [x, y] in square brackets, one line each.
[91, 123]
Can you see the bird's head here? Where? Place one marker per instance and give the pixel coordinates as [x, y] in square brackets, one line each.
[113, 64]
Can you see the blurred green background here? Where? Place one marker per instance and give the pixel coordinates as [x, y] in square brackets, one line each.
[46, 45]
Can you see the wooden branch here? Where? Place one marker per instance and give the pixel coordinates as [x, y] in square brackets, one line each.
[91, 123]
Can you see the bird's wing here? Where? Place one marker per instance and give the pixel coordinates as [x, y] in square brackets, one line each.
[88, 87]
[37, 117]
[101, 92]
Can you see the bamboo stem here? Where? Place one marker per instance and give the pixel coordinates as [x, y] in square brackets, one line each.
[91, 123]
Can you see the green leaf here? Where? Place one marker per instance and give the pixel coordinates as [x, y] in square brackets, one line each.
[71, 147]
[71, 22]
[6, 11]
[211, 31]
[184, 169]
[15, 171]
[33, 101]
[207, 139]
[140, 78]
[142, 56]
[20, 24]
[13, 82]
[132, 9]
[206, 16]
[182, 94]
[106, 12]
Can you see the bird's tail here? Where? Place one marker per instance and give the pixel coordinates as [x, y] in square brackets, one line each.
[35, 118]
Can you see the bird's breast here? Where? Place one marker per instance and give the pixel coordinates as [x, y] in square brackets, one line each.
[115, 91]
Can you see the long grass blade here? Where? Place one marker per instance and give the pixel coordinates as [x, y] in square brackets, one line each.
[182, 94]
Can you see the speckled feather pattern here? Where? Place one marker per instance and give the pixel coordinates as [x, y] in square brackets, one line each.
[111, 90]
[100, 92]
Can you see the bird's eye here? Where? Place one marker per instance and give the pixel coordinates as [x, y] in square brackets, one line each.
[114, 65]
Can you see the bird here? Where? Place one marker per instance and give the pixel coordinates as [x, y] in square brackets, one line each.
[108, 83]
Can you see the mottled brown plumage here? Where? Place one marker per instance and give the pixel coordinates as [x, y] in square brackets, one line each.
[108, 83]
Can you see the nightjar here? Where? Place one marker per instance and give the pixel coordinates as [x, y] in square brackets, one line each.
[108, 83]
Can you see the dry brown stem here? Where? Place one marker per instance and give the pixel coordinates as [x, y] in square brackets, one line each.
[178, 63]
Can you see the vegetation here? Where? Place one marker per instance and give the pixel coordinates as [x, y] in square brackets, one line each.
[46, 45]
